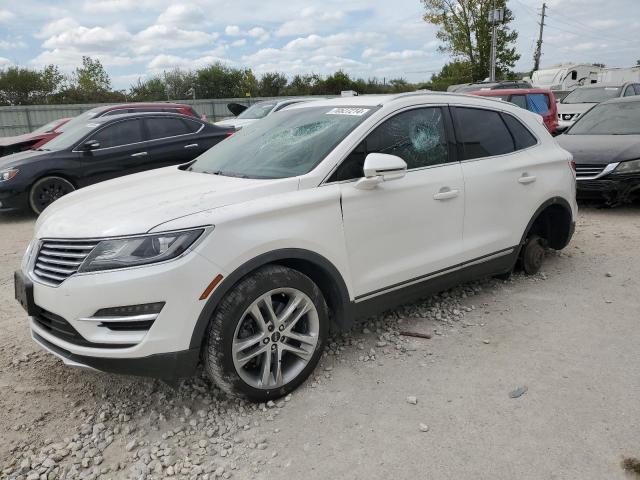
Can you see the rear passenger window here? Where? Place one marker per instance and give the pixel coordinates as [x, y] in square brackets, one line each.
[521, 134]
[519, 100]
[165, 127]
[482, 133]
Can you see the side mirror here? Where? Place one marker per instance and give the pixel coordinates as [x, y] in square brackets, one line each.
[561, 129]
[90, 145]
[380, 167]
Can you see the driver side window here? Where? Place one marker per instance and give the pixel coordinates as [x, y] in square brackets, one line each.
[120, 133]
[417, 136]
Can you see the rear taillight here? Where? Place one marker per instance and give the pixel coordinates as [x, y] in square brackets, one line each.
[228, 134]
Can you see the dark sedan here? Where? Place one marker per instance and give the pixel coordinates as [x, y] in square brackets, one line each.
[605, 143]
[100, 149]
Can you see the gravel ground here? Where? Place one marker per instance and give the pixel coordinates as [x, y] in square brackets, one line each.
[535, 377]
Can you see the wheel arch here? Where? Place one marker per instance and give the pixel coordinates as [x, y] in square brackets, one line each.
[553, 221]
[315, 266]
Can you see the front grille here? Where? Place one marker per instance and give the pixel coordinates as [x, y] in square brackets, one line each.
[588, 171]
[59, 259]
[60, 328]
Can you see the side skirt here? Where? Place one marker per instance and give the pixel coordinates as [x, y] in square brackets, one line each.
[490, 265]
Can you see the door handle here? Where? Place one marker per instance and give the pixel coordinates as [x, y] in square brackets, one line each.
[445, 193]
[191, 145]
[139, 154]
[526, 178]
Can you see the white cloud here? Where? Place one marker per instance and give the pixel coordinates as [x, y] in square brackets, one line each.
[259, 33]
[71, 58]
[57, 26]
[239, 43]
[309, 21]
[89, 39]
[182, 14]
[116, 6]
[403, 55]
[5, 62]
[232, 30]
[5, 16]
[165, 37]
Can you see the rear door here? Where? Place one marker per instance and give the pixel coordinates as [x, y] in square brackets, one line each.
[173, 140]
[503, 176]
[122, 151]
[407, 228]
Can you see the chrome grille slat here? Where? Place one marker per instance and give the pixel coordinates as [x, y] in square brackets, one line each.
[589, 170]
[57, 260]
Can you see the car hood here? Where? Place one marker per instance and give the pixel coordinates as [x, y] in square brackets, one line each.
[574, 107]
[601, 149]
[236, 122]
[27, 137]
[138, 203]
[20, 158]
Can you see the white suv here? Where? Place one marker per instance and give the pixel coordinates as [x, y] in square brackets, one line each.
[306, 220]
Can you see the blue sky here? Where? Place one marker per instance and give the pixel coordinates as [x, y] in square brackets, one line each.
[138, 38]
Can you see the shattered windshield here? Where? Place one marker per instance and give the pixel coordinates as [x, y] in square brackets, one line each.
[286, 144]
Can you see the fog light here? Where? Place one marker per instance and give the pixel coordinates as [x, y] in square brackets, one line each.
[130, 310]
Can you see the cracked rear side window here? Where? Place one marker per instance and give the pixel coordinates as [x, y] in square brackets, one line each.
[286, 144]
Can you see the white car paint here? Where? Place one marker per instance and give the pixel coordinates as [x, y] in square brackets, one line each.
[431, 219]
[239, 123]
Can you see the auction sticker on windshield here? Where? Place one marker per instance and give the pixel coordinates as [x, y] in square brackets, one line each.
[348, 111]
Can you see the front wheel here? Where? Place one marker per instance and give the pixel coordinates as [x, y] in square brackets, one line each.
[46, 191]
[267, 334]
[533, 254]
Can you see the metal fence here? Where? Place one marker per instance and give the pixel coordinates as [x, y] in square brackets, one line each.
[24, 119]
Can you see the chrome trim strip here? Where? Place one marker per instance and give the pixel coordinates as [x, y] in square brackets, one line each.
[132, 318]
[607, 170]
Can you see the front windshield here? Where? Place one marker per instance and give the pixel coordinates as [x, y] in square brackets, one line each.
[621, 118]
[81, 119]
[258, 110]
[46, 127]
[592, 95]
[285, 144]
[69, 138]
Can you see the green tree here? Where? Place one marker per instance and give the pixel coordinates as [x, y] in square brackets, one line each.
[452, 74]
[91, 77]
[148, 90]
[24, 86]
[272, 84]
[465, 32]
[336, 83]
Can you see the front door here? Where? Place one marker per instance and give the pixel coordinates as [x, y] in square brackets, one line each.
[410, 227]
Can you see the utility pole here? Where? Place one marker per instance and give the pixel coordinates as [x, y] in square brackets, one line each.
[538, 54]
[495, 16]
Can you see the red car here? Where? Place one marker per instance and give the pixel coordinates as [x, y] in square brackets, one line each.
[536, 100]
[26, 141]
[123, 108]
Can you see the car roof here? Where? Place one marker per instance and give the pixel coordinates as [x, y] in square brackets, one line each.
[378, 100]
[107, 118]
[508, 91]
[106, 108]
[632, 99]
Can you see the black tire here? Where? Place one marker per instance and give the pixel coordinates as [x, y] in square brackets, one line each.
[46, 191]
[217, 351]
[533, 255]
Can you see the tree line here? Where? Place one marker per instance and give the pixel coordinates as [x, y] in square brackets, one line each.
[90, 83]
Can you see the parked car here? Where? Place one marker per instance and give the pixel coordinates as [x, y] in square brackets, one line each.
[582, 99]
[605, 143]
[18, 143]
[100, 149]
[120, 109]
[535, 100]
[258, 111]
[319, 214]
[471, 87]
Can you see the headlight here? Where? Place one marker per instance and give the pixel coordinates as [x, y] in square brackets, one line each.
[8, 174]
[136, 251]
[628, 167]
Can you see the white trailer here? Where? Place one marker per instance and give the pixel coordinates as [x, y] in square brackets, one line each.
[619, 75]
[565, 77]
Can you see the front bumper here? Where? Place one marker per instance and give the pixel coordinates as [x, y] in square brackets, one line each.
[161, 350]
[612, 188]
[13, 200]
